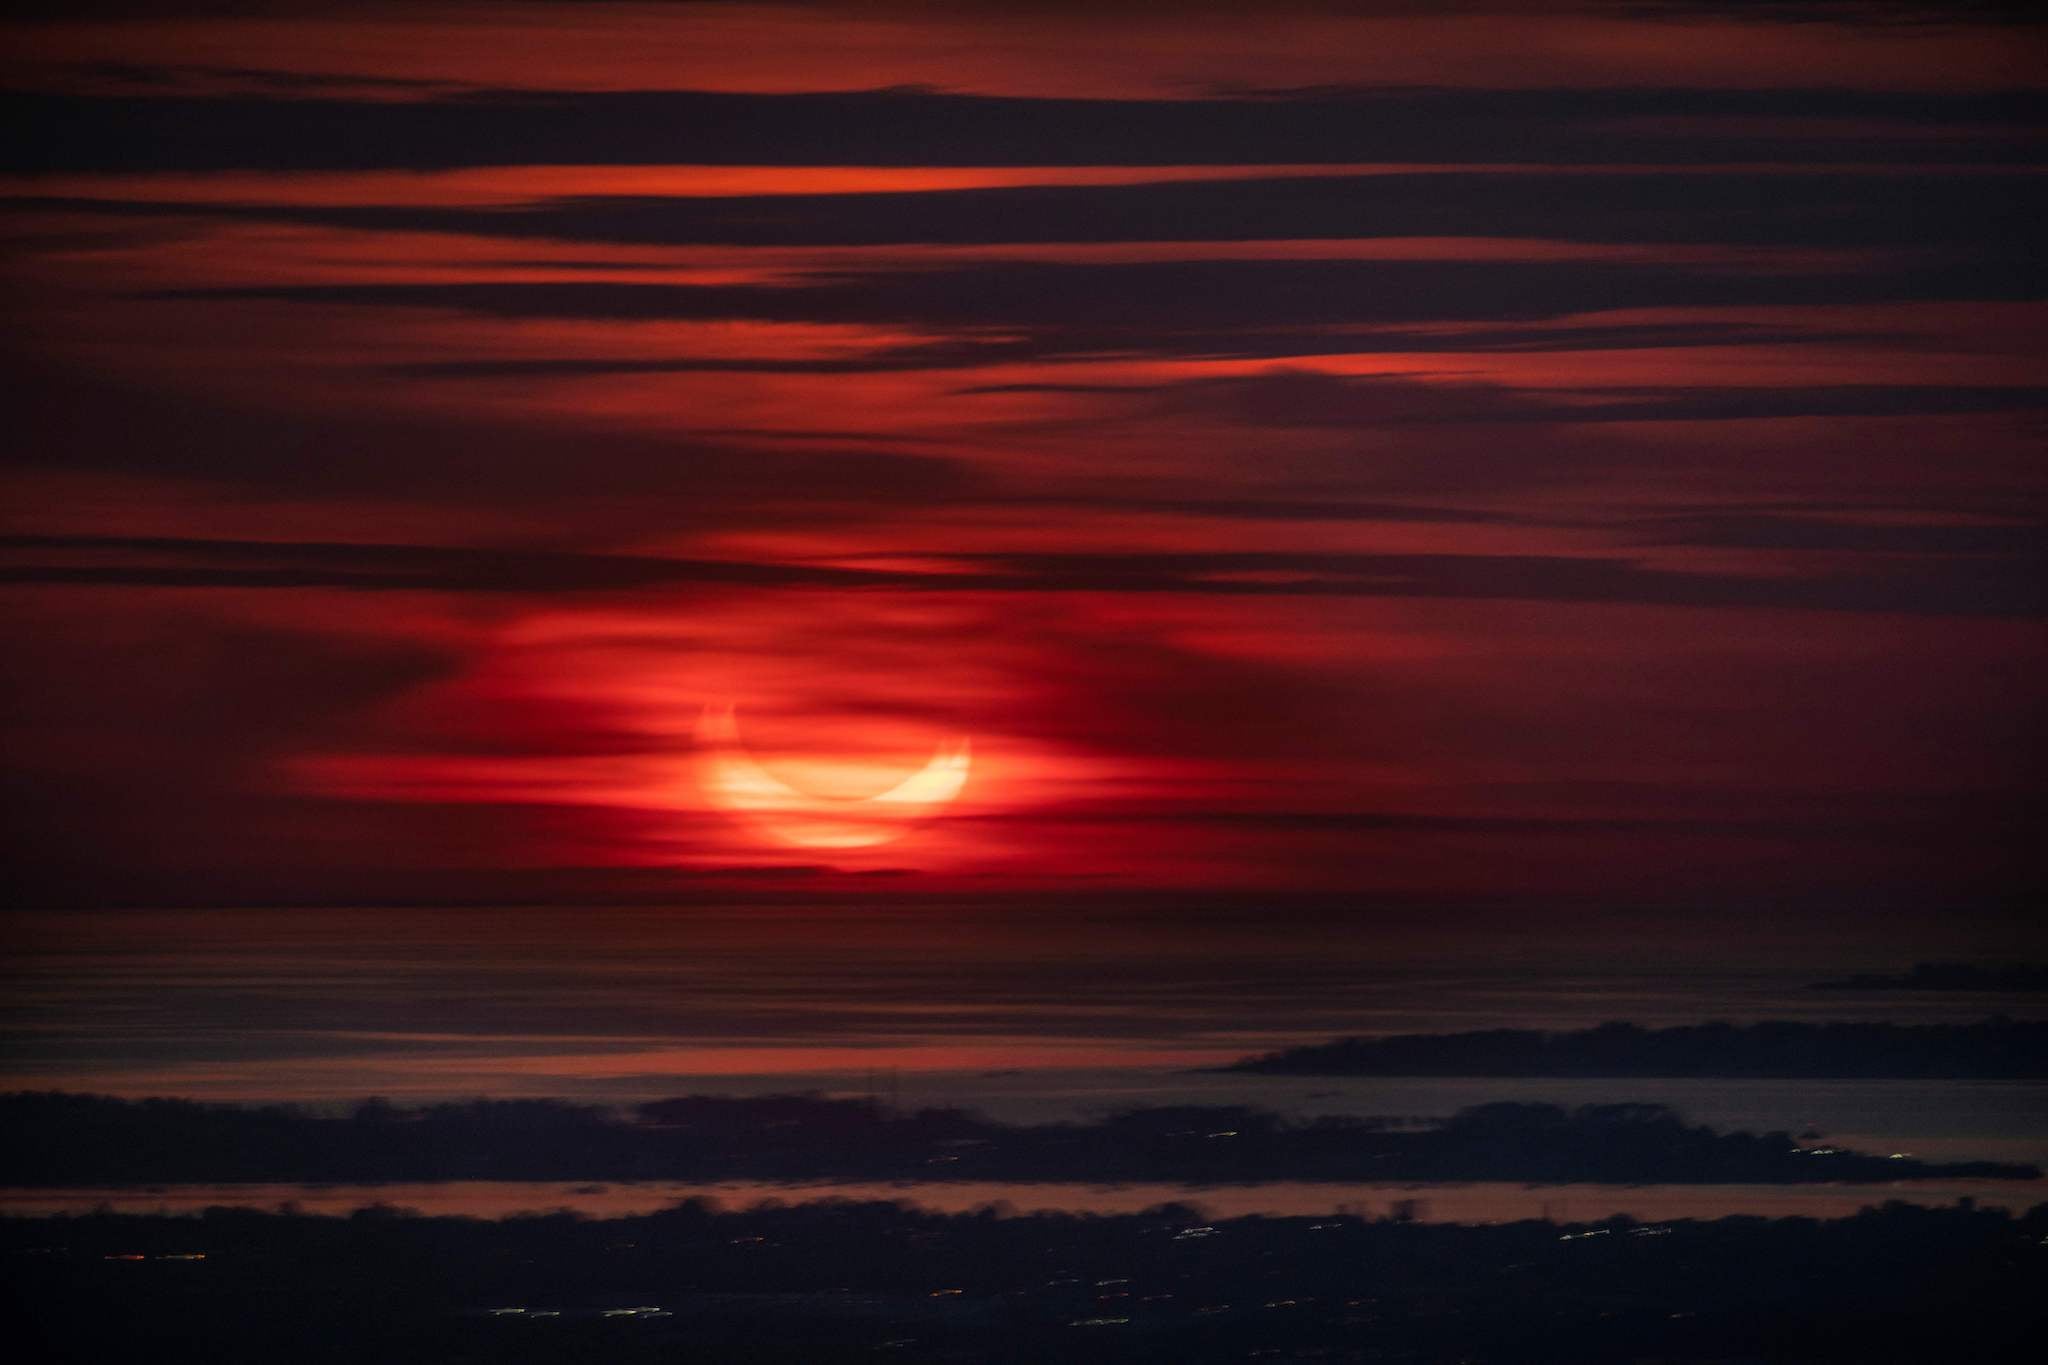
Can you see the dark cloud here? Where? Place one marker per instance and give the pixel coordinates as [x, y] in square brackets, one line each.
[1963, 585]
[206, 80]
[1848, 13]
[1481, 340]
[1436, 441]
[192, 563]
[933, 356]
[1306, 399]
[1258, 508]
[116, 11]
[1968, 587]
[58, 132]
[1765, 531]
[971, 353]
[1745, 403]
[1079, 309]
[1803, 208]
[140, 737]
[71, 422]
[1659, 648]
[1815, 826]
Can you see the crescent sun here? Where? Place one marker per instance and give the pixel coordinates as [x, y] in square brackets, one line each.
[733, 781]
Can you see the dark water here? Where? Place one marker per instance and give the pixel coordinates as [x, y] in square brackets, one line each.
[1471, 1202]
[1023, 1015]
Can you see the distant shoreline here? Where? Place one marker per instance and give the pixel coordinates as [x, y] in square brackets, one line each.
[1994, 1049]
[2017, 979]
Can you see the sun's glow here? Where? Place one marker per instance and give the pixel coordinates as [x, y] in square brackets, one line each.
[733, 781]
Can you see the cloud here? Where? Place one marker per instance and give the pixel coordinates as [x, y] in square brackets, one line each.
[420, 529]
[71, 422]
[140, 738]
[1307, 399]
[968, 352]
[124, 132]
[1449, 440]
[1172, 306]
[1808, 208]
[1259, 508]
[1960, 585]
[1779, 531]
[1816, 825]
[1848, 13]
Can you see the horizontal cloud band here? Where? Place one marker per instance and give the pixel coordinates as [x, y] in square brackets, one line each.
[923, 127]
[1962, 586]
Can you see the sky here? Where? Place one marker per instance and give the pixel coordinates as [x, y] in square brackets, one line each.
[1508, 453]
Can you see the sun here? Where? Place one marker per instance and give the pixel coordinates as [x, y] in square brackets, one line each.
[732, 781]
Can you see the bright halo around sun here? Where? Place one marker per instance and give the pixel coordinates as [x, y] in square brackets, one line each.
[734, 782]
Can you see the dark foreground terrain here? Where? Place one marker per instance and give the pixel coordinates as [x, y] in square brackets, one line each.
[883, 1282]
[63, 1139]
[1994, 1049]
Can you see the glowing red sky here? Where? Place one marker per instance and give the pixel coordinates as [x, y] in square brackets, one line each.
[1567, 450]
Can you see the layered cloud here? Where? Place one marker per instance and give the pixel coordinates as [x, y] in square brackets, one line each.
[1596, 458]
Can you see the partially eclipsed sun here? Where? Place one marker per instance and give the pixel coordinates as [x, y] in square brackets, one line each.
[733, 781]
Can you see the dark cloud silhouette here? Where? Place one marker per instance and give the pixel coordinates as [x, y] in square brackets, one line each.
[1177, 307]
[1308, 399]
[1749, 208]
[926, 128]
[1962, 586]
[139, 741]
[1252, 508]
[1816, 827]
[971, 352]
[1965, 585]
[1849, 13]
[1777, 531]
[74, 422]
[1748, 403]
[967, 353]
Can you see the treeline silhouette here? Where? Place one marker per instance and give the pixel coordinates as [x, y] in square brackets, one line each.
[54, 1138]
[1995, 1049]
[2021, 978]
[832, 1281]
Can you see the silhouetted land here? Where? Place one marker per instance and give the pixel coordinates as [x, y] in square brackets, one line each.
[827, 1282]
[65, 1139]
[2025, 978]
[1996, 1049]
